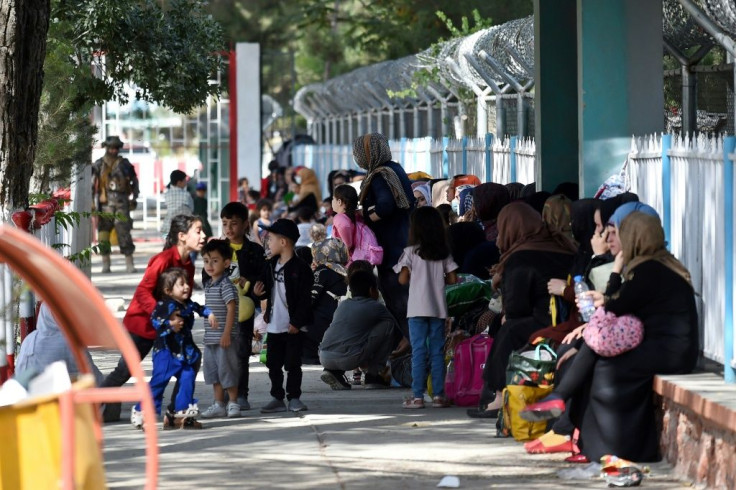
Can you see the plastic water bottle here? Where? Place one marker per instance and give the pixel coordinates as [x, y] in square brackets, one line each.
[585, 302]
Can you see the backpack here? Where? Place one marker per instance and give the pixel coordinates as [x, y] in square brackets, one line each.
[464, 380]
[366, 245]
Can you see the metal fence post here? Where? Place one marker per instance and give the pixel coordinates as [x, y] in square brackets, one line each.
[445, 158]
[402, 151]
[465, 155]
[489, 157]
[729, 370]
[512, 158]
[666, 187]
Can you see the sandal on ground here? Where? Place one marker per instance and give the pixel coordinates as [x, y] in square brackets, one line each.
[413, 403]
[440, 402]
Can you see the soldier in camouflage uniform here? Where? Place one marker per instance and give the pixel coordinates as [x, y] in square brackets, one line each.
[114, 181]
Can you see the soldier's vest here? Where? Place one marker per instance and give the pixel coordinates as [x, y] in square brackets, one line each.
[115, 178]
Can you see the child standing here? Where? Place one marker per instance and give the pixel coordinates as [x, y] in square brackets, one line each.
[221, 363]
[285, 285]
[174, 351]
[264, 208]
[345, 206]
[426, 265]
[246, 266]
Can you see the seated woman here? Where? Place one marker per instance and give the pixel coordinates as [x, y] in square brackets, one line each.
[531, 256]
[603, 244]
[488, 200]
[612, 396]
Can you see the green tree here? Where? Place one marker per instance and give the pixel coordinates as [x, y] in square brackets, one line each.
[169, 52]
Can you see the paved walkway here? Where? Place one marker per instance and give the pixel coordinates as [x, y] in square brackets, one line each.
[356, 439]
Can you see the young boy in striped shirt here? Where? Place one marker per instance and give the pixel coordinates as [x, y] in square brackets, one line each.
[221, 363]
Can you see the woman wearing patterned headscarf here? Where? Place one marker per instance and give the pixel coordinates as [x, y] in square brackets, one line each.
[613, 395]
[329, 257]
[387, 199]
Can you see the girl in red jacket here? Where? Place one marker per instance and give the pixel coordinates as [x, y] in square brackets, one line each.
[185, 236]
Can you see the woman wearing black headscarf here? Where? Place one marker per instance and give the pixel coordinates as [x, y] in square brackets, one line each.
[488, 200]
[514, 189]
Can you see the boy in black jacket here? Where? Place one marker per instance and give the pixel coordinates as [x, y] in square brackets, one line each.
[247, 265]
[286, 285]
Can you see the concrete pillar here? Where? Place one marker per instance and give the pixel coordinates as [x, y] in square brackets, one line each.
[555, 94]
[620, 82]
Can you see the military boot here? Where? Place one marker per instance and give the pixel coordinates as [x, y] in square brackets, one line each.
[106, 264]
[129, 266]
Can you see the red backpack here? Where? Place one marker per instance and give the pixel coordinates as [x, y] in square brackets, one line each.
[366, 245]
[464, 379]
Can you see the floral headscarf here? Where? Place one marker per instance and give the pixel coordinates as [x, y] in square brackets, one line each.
[332, 253]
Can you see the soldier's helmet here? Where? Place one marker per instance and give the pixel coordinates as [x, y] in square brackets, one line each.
[112, 142]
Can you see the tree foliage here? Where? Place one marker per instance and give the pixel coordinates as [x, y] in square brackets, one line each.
[65, 132]
[331, 37]
[170, 53]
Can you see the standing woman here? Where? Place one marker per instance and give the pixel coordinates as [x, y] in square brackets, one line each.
[185, 236]
[387, 200]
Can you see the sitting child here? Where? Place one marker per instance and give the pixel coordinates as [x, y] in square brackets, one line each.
[174, 351]
[361, 335]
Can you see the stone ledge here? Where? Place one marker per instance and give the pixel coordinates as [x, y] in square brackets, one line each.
[705, 394]
[698, 419]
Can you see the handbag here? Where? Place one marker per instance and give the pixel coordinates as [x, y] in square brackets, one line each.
[532, 367]
[515, 399]
[609, 335]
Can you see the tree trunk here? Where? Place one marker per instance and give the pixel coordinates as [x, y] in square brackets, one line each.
[24, 25]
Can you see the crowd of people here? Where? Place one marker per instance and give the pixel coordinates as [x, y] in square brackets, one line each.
[358, 279]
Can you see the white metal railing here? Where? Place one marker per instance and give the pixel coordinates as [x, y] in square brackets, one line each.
[500, 161]
[683, 178]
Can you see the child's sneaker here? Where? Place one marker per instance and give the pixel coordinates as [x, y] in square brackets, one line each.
[215, 410]
[296, 405]
[136, 418]
[191, 411]
[274, 406]
[357, 375]
[233, 410]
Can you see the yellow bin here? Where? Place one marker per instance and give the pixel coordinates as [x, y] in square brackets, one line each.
[31, 448]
